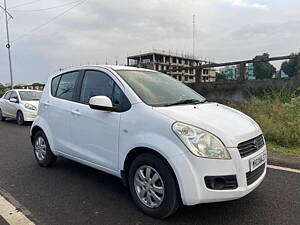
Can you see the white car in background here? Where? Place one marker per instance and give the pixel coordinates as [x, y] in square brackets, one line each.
[21, 105]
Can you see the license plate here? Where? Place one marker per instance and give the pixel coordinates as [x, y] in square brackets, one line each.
[257, 161]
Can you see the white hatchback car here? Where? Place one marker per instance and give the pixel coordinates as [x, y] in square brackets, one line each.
[168, 144]
[20, 104]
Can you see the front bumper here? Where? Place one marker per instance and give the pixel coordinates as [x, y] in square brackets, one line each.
[192, 170]
[29, 115]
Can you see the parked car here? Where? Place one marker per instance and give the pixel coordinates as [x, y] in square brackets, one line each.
[20, 104]
[168, 144]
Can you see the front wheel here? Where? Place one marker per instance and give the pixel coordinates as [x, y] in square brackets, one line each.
[42, 151]
[153, 186]
[2, 118]
[20, 118]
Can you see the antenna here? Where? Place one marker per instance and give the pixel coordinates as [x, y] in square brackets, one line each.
[194, 36]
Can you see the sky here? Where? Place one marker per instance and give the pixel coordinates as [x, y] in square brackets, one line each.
[48, 35]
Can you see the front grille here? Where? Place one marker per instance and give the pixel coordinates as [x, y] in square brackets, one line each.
[221, 182]
[252, 176]
[249, 147]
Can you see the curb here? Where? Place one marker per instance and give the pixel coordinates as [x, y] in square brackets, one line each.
[278, 159]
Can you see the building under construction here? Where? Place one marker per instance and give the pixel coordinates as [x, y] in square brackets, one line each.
[172, 64]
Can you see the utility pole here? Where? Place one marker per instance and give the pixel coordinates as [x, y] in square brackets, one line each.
[193, 36]
[8, 44]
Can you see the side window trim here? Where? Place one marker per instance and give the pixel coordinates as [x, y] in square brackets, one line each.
[78, 86]
[57, 85]
[54, 94]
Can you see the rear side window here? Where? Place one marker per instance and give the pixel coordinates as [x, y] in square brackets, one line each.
[7, 95]
[54, 85]
[66, 85]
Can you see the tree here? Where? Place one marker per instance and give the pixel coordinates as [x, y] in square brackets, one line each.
[221, 77]
[292, 66]
[2, 90]
[263, 68]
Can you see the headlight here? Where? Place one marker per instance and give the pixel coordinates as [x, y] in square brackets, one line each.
[200, 142]
[31, 107]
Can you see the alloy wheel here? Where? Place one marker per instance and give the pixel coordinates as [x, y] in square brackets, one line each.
[40, 148]
[149, 186]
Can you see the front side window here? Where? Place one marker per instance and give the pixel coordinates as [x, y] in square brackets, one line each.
[66, 85]
[96, 83]
[30, 95]
[14, 95]
[158, 89]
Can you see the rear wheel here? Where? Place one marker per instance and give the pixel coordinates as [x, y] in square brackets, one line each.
[20, 118]
[153, 186]
[2, 118]
[42, 151]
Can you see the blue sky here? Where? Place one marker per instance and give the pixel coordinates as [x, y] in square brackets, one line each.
[96, 29]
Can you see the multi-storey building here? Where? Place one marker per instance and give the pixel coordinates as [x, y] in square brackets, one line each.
[172, 64]
[233, 72]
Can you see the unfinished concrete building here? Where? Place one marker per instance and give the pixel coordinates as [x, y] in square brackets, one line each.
[163, 61]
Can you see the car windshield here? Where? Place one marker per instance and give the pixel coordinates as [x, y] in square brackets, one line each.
[30, 95]
[158, 89]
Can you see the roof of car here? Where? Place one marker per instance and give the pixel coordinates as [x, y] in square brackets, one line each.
[112, 67]
[25, 90]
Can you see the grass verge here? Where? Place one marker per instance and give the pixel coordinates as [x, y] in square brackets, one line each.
[278, 114]
[293, 151]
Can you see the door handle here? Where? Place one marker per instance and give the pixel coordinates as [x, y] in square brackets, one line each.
[76, 113]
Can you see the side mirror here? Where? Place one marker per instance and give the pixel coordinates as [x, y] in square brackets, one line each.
[101, 103]
[14, 100]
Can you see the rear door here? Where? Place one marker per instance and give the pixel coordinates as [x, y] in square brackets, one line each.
[56, 109]
[4, 104]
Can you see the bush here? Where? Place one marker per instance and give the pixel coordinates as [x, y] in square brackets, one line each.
[284, 95]
[278, 114]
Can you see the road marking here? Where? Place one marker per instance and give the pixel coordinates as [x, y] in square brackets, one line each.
[284, 169]
[11, 214]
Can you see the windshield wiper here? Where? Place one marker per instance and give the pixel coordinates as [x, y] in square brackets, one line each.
[186, 101]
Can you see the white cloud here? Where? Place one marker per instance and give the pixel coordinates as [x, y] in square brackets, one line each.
[244, 3]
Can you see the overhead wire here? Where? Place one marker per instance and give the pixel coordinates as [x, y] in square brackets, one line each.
[23, 4]
[48, 22]
[44, 9]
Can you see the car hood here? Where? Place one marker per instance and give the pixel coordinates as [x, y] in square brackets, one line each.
[34, 103]
[230, 125]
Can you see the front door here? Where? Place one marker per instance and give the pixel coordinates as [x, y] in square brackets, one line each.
[13, 106]
[95, 133]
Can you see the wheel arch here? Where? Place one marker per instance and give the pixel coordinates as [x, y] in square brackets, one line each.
[34, 130]
[19, 110]
[134, 153]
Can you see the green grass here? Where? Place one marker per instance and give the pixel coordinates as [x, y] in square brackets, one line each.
[294, 151]
[278, 114]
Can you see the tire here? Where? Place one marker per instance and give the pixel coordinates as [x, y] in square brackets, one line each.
[20, 118]
[42, 150]
[2, 118]
[170, 198]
